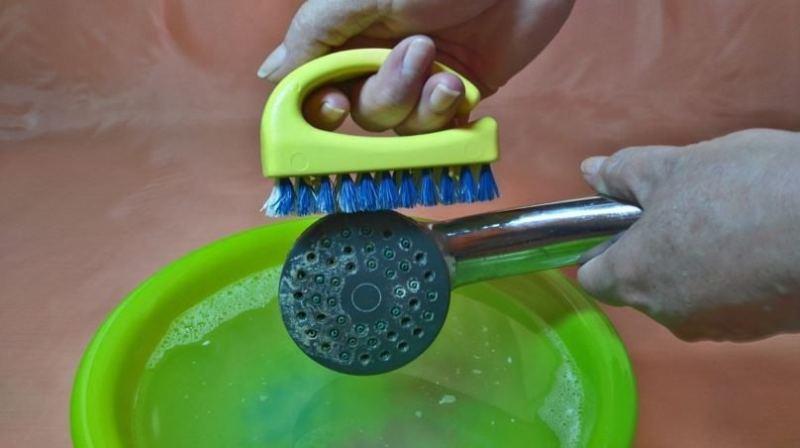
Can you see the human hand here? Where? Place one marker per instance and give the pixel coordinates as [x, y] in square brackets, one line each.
[716, 253]
[488, 41]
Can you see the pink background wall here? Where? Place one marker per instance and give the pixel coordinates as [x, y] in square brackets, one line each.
[128, 136]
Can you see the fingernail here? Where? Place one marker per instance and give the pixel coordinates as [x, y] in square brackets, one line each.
[442, 98]
[331, 113]
[591, 166]
[273, 62]
[416, 57]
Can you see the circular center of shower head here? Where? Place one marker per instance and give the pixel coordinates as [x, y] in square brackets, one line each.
[364, 293]
[366, 297]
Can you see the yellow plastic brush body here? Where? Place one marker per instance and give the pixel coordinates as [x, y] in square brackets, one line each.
[290, 146]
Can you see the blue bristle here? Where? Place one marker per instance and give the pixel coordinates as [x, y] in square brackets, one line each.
[466, 188]
[347, 196]
[487, 187]
[367, 193]
[325, 196]
[305, 198]
[408, 191]
[447, 194]
[281, 201]
[427, 191]
[387, 192]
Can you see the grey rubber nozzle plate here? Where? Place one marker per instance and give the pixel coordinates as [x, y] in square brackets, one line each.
[364, 293]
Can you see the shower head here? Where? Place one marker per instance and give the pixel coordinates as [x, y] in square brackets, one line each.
[366, 293]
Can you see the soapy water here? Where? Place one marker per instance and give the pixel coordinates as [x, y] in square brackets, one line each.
[254, 291]
[226, 374]
[562, 408]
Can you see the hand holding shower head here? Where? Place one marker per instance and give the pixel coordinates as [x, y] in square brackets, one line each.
[366, 293]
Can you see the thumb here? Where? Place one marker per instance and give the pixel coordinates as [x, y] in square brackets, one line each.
[614, 269]
[318, 26]
[630, 174]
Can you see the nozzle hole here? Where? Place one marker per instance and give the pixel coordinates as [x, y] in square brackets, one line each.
[347, 249]
[392, 336]
[402, 346]
[364, 358]
[298, 294]
[387, 233]
[429, 276]
[311, 256]
[418, 332]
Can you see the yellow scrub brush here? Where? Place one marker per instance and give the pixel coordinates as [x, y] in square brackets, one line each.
[391, 171]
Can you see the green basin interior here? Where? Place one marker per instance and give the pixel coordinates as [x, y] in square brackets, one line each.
[197, 356]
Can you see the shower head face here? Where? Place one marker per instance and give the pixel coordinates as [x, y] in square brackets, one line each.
[364, 293]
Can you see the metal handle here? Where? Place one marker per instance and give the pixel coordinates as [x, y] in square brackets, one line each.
[531, 238]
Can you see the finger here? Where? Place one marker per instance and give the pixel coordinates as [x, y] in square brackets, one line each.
[618, 274]
[598, 279]
[318, 26]
[436, 107]
[327, 108]
[598, 250]
[386, 98]
[632, 173]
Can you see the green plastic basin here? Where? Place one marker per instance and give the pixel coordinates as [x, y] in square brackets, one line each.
[197, 356]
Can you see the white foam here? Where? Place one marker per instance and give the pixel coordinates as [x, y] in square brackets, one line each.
[561, 409]
[447, 399]
[194, 324]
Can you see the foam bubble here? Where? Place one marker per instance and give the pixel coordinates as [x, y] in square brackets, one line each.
[254, 291]
[561, 409]
[447, 399]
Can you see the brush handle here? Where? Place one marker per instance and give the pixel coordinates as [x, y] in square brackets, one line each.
[290, 146]
[532, 238]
